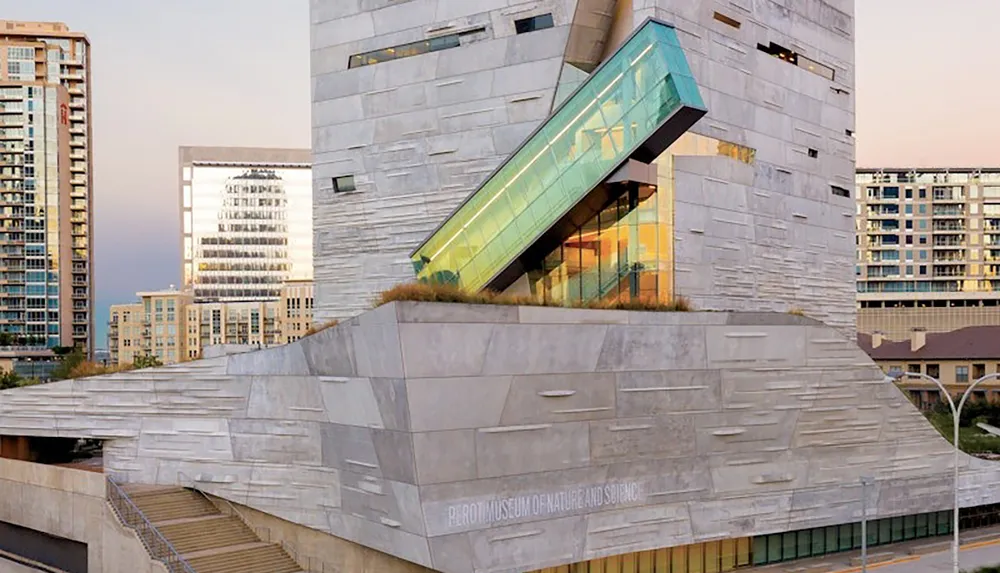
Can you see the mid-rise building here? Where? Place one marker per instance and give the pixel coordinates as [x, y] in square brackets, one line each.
[295, 310]
[173, 327]
[46, 184]
[928, 249]
[246, 221]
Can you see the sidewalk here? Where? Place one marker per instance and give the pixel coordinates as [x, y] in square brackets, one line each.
[933, 555]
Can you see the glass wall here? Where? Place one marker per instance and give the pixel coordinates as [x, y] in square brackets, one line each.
[708, 557]
[618, 109]
[626, 251]
[836, 538]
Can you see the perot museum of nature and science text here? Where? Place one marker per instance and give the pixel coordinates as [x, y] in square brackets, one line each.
[571, 151]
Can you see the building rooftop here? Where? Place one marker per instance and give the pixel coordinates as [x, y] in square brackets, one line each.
[972, 343]
[34, 29]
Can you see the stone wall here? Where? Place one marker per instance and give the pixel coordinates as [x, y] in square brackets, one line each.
[71, 504]
[466, 438]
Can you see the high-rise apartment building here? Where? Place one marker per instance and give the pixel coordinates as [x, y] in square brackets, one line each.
[928, 249]
[46, 183]
[246, 221]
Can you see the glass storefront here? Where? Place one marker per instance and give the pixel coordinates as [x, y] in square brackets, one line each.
[732, 554]
[708, 557]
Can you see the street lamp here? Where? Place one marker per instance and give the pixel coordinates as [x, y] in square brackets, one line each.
[955, 415]
[866, 481]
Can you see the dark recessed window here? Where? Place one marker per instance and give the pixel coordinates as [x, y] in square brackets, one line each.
[839, 191]
[849, 132]
[728, 21]
[344, 184]
[534, 23]
[408, 50]
[814, 153]
[786, 55]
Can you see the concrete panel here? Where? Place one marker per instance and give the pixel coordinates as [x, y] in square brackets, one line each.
[456, 403]
[510, 450]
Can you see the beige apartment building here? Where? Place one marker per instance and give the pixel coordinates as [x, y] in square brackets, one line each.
[928, 250]
[46, 182]
[171, 326]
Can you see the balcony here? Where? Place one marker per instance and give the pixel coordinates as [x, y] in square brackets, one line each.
[77, 142]
[949, 211]
[949, 227]
[78, 130]
[78, 104]
[11, 109]
[74, 77]
[78, 156]
[78, 168]
[78, 181]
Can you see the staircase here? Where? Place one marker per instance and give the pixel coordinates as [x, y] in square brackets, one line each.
[206, 539]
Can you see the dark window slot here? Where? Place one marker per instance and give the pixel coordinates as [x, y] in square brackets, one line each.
[798, 60]
[408, 50]
[344, 184]
[839, 191]
[728, 21]
[533, 24]
[814, 153]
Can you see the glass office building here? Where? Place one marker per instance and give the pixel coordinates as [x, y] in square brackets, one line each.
[247, 222]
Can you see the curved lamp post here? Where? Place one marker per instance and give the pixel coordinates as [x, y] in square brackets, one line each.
[956, 412]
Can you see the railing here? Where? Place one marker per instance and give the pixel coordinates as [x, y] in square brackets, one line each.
[308, 563]
[157, 545]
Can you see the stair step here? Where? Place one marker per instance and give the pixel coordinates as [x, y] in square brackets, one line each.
[208, 540]
[250, 558]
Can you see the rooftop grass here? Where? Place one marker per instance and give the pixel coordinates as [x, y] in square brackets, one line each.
[436, 292]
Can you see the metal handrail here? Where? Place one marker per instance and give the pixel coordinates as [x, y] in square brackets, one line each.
[132, 517]
[308, 562]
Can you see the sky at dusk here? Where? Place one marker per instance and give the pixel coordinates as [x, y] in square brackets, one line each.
[236, 73]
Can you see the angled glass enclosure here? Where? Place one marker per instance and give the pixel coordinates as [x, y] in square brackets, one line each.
[632, 107]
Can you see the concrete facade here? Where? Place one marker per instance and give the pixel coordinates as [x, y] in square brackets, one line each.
[503, 439]
[419, 134]
[71, 504]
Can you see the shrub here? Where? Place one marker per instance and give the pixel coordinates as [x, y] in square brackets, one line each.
[317, 328]
[435, 292]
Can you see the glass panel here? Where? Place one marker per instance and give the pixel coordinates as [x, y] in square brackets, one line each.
[909, 527]
[844, 537]
[712, 557]
[760, 550]
[856, 535]
[788, 549]
[727, 554]
[742, 551]
[662, 561]
[832, 544]
[774, 548]
[613, 565]
[921, 529]
[629, 563]
[696, 558]
[818, 541]
[804, 548]
[884, 531]
[897, 529]
[678, 559]
[640, 86]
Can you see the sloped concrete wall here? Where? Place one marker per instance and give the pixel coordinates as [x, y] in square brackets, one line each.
[499, 439]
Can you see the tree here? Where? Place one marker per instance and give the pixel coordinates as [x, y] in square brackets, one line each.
[9, 379]
[147, 361]
[68, 364]
[6, 339]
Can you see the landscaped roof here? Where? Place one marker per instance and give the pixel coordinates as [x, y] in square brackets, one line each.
[973, 343]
